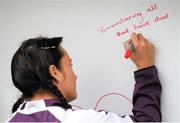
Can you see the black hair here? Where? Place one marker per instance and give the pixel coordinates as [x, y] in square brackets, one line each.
[30, 68]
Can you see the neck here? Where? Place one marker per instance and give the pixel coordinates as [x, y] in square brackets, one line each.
[43, 95]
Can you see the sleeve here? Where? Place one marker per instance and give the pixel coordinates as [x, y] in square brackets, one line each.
[146, 96]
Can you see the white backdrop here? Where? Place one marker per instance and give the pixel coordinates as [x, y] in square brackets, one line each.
[1, 95]
[98, 55]
[178, 84]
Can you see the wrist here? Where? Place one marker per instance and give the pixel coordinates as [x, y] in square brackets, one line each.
[142, 66]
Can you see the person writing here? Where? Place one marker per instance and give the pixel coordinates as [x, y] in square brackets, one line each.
[41, 69]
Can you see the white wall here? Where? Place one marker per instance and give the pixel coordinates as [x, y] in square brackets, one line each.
[178, 111]
[97, 58]
[1, 65]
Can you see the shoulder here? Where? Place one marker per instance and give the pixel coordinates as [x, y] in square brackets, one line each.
[92, 116]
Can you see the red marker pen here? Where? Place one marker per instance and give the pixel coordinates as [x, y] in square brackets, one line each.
[129, 51]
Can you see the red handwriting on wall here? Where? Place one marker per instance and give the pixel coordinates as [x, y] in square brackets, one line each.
[139, 26]
[125, 31]
[152, 8]
[160, 18]
[142, 23]
[103, 98]
[137, 15]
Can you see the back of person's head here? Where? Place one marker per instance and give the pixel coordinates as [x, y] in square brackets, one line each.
[30, 68]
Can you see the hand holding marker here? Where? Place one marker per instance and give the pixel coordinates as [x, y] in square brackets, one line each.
[129, 50]
[140, 50]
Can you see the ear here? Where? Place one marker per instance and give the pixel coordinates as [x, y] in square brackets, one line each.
[56, 74]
